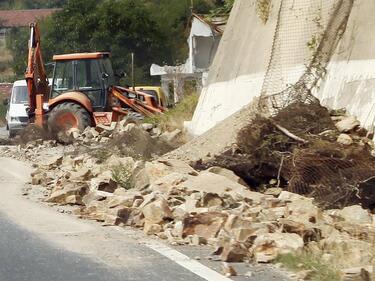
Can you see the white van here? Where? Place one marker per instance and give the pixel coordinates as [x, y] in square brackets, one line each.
[17, 117]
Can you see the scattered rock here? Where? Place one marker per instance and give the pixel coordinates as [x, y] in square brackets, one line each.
[104, 182]
[234, 252]
[206, 225]
[70, 194]
[357, 274]
[157, 211]
[344, 139]
[228, 174]
[355, 214]
[347, 124]
[171, 136]
[228, 270]
[268, 246]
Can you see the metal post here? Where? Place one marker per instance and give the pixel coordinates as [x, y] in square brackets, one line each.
[133, 79]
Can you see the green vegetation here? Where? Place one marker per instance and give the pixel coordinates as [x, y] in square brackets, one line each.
[3, 110]
[6, 71]
[155, 30]
[175, 117]
[122, 174]
[263, 10]
[318, 270]
[224, 9]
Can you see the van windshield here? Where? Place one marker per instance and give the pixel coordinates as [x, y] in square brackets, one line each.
[19, 95]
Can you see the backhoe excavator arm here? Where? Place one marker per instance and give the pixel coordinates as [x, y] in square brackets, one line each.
[36, 77]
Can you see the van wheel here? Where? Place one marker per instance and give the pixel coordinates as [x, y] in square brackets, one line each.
[66, 116]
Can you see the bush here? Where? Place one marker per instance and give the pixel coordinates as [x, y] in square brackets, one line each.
[175, 117]
[122, 174]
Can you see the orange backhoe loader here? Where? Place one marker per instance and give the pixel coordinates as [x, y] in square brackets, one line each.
[82, 92]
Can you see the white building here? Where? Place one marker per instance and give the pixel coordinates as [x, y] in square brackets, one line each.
[205, 35]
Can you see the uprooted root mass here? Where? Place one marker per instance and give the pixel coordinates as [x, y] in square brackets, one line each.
[335, 175]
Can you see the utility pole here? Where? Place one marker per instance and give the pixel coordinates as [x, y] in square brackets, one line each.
[191, 7]
[133, 78]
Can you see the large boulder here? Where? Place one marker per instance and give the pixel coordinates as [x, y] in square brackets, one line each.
[301, 209]
[227, 173]
[51, 161]
[347, 124]
[71, 193]
[206, 225]
[354, 214]
[157, 211]
[104, 182]
[268, 246]
[209, 182]
[148, 172]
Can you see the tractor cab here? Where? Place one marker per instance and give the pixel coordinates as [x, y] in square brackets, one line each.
[88, 73]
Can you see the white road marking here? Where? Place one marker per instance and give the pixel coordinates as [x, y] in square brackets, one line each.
[186, 262]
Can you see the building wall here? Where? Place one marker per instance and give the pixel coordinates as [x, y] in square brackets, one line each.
[237, 72]
[239, 68]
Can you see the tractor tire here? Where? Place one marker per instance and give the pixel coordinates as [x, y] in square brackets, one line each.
[67, 116]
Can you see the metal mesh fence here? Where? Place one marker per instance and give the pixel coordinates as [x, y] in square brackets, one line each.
[336, 181]
[306, 35]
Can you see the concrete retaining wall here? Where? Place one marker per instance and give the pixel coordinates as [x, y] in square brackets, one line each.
[238, 71]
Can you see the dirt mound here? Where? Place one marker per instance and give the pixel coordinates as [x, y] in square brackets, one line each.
[32, 133]
[138, 143]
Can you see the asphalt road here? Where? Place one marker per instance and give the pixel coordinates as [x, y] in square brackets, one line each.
[25, 257]
[39, 244]
[3, 133]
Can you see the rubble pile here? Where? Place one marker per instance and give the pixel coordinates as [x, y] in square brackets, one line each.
[305, 148]
[170, 199]
[301, 182]
[124, 138]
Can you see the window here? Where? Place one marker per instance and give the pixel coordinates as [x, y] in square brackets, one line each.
[19, 95]
[152, 93]
[107, 66]
[88, 75]
[63, 78]
[89, 80]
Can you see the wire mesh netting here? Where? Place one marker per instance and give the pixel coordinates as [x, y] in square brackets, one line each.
[306, 35]
[335, 180]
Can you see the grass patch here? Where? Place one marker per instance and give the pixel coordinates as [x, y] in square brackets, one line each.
[175, 117]
[320, 271]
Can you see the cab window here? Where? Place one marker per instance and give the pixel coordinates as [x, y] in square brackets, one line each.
[63, 78]
[89, 81]
[88, 75]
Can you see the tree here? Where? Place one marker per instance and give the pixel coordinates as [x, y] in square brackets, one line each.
[17, 44]
[153, 29]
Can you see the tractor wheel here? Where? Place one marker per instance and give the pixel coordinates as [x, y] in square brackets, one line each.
[66, 116]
